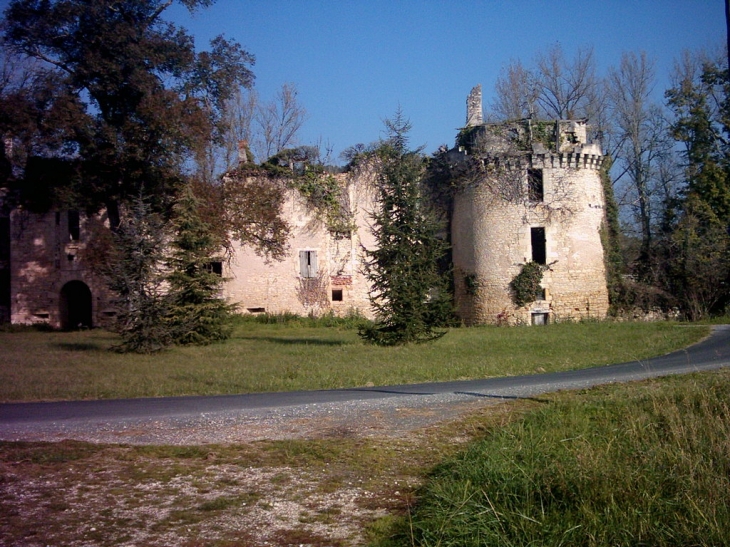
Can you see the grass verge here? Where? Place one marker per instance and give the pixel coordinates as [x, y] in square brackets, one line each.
[640, 464]
[285, 356]
[643, 464]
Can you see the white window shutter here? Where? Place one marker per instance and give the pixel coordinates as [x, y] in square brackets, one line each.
[303, 266]
[312, 263]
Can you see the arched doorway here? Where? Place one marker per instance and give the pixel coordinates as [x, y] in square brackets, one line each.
[75, 306]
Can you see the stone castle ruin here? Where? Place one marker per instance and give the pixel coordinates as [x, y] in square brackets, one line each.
[533, 193]
[528, 192]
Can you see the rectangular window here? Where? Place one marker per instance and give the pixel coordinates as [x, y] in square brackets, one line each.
[308, 263]
[216, 268]
[74, 230]
[537, 237]
[539, 318]
[336, 295]
[535, 188]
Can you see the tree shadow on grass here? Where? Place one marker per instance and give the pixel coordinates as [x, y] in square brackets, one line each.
[79, 346]
[300, 341]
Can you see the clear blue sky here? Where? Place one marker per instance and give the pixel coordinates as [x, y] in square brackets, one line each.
[354, 62]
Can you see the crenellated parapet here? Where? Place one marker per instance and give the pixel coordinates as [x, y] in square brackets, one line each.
[532, 193]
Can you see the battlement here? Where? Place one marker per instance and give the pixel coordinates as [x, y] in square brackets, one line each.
[565, 139]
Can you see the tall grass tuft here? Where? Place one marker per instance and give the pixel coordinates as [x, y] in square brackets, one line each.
[352, 320]
[639, 466]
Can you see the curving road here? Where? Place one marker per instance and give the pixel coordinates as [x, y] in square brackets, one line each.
[364, 411]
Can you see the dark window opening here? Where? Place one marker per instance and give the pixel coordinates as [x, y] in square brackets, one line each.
[308, 263]
[74, 228]
[336, 295]
[539, 318]
[537, 236]
[256, 310]
[535, 188]
[216, 268]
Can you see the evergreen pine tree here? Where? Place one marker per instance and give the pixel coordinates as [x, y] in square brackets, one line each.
[409, 293]
[197, 312]
[130, 259]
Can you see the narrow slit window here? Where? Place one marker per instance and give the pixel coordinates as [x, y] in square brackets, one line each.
[535, 187]
[537, 236]
[74, 227]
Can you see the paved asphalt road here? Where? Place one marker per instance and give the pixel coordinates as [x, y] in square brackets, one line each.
[25, 420]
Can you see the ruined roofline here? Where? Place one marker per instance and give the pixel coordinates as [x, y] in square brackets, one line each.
[567, 140]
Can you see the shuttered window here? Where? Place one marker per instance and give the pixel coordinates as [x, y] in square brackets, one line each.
[308, 263]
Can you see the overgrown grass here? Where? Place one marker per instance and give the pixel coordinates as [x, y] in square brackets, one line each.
[638, 465]
[291, 354]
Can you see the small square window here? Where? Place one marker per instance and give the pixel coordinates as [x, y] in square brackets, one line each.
[539, 318]
[336, 295]
[216, 267]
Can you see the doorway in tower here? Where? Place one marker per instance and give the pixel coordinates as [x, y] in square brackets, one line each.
[75, 306]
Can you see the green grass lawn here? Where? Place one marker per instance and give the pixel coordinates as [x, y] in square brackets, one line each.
[639, 464]
[283, 357]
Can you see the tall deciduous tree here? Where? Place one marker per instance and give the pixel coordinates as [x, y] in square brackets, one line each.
[409, 292]
[279, 122]
[565, 88]
[151, 101]
[515, 93]
[642, 141]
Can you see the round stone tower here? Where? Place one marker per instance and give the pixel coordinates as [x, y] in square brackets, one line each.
[529, 191]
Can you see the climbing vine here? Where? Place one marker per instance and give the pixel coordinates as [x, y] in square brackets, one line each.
[471, 284]
[525, 286]
[325, 195]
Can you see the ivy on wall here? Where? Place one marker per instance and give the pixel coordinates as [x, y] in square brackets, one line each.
[525, 286]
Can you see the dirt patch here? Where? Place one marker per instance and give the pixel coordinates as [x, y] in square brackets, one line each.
[315, 481]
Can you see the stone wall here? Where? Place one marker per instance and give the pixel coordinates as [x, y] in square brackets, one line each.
[494, 232]
[335, 285]
[49, 276]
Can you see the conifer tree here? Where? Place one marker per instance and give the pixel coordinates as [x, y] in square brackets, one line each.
[130, 259]
[197, 312]
[409, 293]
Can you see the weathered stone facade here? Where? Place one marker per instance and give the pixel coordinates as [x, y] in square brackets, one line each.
[537, 197]
[50, 281]
[322, 271]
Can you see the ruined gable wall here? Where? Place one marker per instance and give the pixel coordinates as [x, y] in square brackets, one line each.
[257, 285]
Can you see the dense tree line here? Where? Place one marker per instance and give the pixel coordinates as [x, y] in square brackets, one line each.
[670, 167]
